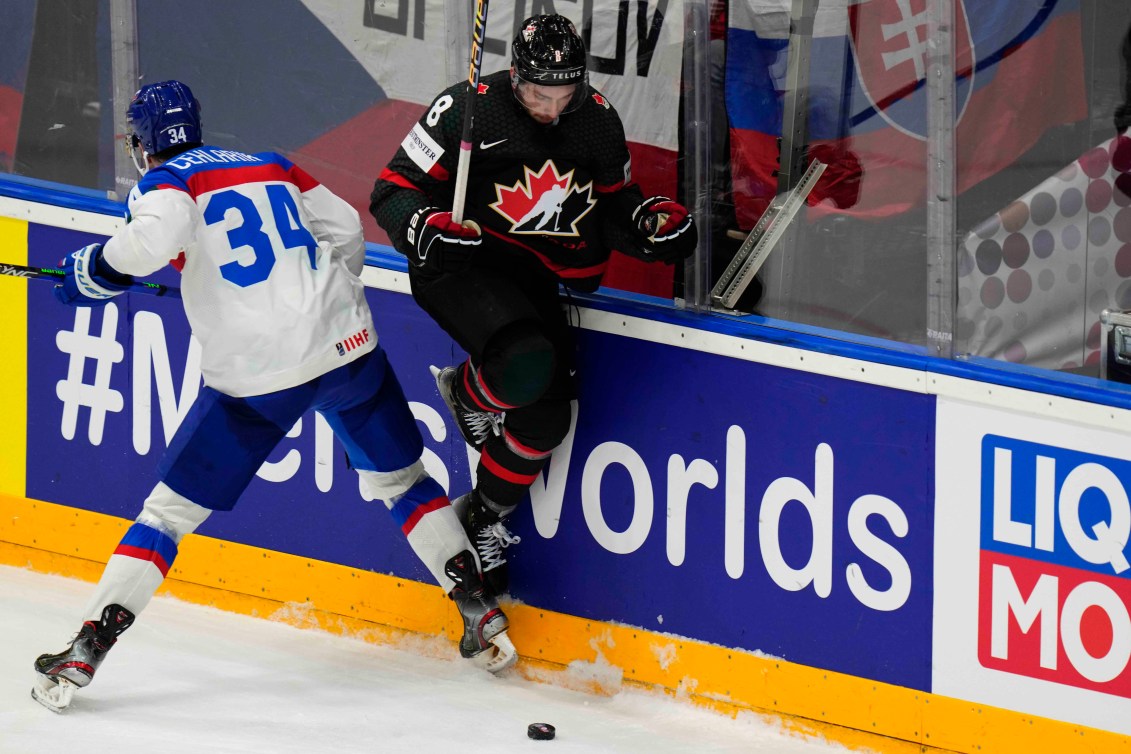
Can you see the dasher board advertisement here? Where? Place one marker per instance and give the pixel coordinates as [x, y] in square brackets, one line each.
[1032, 581]
[707, 496]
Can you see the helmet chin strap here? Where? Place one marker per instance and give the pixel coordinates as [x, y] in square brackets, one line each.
[143, 165]
[138, 155]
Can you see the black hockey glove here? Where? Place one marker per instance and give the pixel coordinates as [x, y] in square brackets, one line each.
[667, 229]
[438, 243]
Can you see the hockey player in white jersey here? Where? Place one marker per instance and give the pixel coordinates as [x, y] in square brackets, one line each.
[270, 261]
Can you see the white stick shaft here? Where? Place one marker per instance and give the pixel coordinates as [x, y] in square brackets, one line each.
[474, 66]
[461, 183]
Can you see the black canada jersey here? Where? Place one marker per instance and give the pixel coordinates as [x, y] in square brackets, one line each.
[551, 192]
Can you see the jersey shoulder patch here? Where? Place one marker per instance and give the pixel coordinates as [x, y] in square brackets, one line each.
[600, 99]
[421, 148]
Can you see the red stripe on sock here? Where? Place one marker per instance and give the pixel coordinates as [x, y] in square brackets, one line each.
[525, 450]
[503, 473]
[142, 554]
[489, 395]
[467, 388]
[494, 405]
[418, 514]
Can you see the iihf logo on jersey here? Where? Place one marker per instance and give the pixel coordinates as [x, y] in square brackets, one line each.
[357, 339]
[890, 43]
[544, 203]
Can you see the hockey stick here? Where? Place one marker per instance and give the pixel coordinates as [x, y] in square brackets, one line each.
[57, 275]
[477, 35]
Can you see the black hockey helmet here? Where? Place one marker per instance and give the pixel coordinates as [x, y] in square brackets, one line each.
[548, 51]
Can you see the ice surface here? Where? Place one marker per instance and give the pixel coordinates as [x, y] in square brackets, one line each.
[187, 678]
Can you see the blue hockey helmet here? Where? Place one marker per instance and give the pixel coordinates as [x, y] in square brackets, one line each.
[162, 116]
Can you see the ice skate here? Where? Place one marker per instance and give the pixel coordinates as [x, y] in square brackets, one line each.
[484, 639]
[58, 675]
[475, 426]
[486, 531]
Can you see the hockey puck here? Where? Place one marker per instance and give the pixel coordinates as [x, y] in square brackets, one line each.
[540, 731]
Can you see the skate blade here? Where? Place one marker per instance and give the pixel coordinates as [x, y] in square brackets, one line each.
[54, 695]
[502, 656]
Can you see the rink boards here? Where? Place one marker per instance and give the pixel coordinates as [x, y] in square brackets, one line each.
[859, 540]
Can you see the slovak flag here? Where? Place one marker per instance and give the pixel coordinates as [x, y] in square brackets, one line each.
[1019, 68]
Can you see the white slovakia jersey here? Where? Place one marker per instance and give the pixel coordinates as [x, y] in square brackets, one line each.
[269, 259]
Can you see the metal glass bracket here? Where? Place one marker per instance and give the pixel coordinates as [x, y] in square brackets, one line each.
[763, 237]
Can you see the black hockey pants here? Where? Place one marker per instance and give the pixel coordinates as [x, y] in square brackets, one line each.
[512, 325]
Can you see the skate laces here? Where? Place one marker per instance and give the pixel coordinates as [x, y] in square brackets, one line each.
[480, 424]
[90, 633]
[491, 542]
[475, 426]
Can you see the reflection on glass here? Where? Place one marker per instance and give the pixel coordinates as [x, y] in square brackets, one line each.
[1042, 225]
[1041, 93]
[854, 261]
[1043, 238]
[54, 72]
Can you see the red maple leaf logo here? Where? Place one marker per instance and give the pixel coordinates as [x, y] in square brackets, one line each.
[544, 202]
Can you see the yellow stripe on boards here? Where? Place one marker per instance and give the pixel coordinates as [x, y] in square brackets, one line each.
[562, 649]
[13, 365]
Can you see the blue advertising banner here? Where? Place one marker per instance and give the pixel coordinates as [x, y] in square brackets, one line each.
[736, 503]
[107, 388]
[714, 498]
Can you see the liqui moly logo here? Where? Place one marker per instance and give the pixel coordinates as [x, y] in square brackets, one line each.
[1054, 579]
[354, 341]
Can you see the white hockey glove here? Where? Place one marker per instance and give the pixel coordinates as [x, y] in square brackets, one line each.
[89, 279]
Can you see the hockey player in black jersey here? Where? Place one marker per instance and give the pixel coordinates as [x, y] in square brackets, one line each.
[549, 196]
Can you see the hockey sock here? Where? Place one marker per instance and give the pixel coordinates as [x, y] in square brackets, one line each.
[146, 553]
[472, 392]
[504, 475]
[431, 527]
[134, 571]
